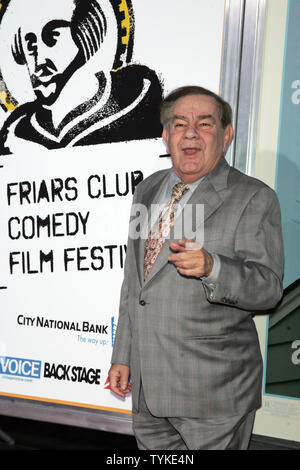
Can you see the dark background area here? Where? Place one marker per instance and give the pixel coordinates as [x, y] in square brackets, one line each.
[18, 434]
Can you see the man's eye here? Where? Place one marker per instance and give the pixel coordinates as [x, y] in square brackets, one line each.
[179, 124]
[205, 124]
[31, 43]
[52, 38]
[31, 49]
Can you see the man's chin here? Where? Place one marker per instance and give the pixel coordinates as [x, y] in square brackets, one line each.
[46, 94]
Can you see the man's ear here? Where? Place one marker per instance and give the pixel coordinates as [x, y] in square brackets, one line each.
[228, 136]
[165, 136]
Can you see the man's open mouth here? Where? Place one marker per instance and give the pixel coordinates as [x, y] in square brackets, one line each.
[190, 150]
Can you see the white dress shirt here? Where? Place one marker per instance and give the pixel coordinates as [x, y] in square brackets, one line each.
[164, 197]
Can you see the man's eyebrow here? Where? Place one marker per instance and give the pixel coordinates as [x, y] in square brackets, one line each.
[48, 28]
[178, 116]
[200, 117]
[207, 116]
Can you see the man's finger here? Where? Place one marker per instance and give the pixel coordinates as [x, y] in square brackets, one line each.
[177, 247]
[119, 380]
[114, 380]
[191, 245]
[180, 245]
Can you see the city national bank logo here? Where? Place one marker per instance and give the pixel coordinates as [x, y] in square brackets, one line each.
[113, 330]
[19, 368]
[42, 322]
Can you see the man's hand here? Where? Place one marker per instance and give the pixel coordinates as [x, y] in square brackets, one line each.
[119, 379]
[191, 259]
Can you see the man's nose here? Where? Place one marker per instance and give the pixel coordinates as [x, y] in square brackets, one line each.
[191, 132]
[41, 56]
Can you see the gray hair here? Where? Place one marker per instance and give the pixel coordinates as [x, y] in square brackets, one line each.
[225, 111]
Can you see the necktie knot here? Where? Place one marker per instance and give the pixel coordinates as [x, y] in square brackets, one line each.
[179, 189]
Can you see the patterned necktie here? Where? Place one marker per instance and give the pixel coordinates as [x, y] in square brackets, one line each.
[162, 227]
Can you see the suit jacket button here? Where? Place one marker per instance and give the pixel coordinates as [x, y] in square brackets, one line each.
[142, 303]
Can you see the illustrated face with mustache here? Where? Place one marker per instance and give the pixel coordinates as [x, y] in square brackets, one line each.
[50, 52]
[195, 137]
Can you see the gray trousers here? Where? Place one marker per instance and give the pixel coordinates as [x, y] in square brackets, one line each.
[153, 433]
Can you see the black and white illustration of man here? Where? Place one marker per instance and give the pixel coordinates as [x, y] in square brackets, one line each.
[75, 55]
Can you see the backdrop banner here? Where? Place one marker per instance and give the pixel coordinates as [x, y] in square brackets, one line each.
[281, 402]
[81, 84]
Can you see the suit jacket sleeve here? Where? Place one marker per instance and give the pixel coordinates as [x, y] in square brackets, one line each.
[252, 278]
[122, 343]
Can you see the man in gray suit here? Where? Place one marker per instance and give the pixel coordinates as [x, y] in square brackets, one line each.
[186, 344]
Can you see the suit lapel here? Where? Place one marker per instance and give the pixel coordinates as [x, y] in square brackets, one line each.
[202, 204]
[150, 197]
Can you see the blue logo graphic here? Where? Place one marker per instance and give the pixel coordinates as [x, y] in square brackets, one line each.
[113, 330]
[15, 366]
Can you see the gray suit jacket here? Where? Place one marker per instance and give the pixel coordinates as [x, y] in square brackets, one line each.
[194, 349]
